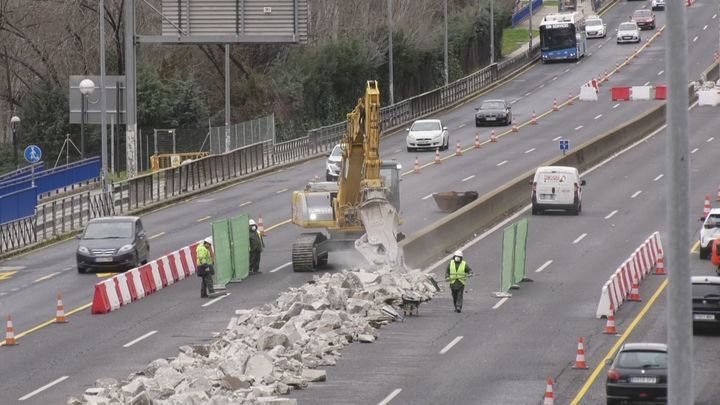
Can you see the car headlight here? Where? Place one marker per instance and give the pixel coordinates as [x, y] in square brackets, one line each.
[83, 250]
[126, 248]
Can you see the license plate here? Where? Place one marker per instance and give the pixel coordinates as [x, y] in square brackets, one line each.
[627, 37]
[704, 317]
[104, 259]
[547, 196]
[643, 380]
[489, 118]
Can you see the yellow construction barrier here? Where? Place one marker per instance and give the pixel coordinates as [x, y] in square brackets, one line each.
[166, 160]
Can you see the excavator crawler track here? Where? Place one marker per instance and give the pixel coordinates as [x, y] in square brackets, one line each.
[304, 252]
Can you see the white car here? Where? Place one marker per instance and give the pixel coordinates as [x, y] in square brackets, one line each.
[427, 134]
[556, 188]
[657, 5]
[595, 28]
[332, 166]
[709, 232]
[628, 32]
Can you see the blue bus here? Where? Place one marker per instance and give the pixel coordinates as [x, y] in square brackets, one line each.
[562, 36]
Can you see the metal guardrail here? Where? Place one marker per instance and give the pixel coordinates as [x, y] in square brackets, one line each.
[165, 160]
[71, 213]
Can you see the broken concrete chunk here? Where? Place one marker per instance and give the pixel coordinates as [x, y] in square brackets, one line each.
[259, 366]
[233, 383]
[366, 338]
[269, 338]
[314, 375]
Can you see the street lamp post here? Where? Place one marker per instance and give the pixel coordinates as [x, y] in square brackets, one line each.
[447, 78]
[390, 51]
[14, 124]
[87, 87]
[492, 32]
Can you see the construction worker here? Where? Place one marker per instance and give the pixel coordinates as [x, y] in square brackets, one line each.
[205, 268]
[456, 275]
[715, 255]
[256, 246]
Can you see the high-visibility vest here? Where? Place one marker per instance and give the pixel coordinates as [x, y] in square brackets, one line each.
[203, 255]
[457, 273]
[715, 255]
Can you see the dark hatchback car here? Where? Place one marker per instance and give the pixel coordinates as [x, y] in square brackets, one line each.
[112, 244]
[638, 374]
[706, 300]
[493, 112]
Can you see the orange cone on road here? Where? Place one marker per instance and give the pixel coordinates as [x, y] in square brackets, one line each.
[437, 157]
[635, 291]
[555, 105]
[580, 356]
[416, 169]
[660, 266]
[610, 325]
[493, 138]
[261, 226]
[514, 126]
[570, 98]
[606, 77]
[706, 207]
[549, 396]
[458, 150]
[10, 333]
[60, 310]
[617, 66]
[533, 120]
[477, 141]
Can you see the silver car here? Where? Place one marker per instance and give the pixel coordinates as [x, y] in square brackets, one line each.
[628, 32]
[427, 134]
[332, 166]
[595, 28]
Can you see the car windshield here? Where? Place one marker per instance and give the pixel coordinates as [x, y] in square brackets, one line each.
[557, 38]
[425, 126]
[336, 152]
[642, 359]
[627, 27]
[593, 23]
[642, 14]
[108, 230]
[706, 290]
[492, 105]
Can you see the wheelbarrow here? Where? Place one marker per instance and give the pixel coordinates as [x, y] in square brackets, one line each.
[411, 303]
[450, 201]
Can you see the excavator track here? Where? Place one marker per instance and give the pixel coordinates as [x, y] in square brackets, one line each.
[304, 252]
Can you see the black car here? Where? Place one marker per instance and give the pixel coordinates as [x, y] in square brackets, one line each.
[493, 112]
[638, 374]
[706, 300]
[112, 244]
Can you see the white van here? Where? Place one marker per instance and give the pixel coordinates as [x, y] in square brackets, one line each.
[557, 188]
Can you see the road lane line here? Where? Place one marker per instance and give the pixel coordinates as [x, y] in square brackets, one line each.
[67, 268]
[693, 151]
[541, 86]
[390, 397]
[601, 365]
[579, 127]
[610, 215]
[712, 138]
[245, 203]
[156, 235]
[660, 72]
[468, 178]
[705, 27]
[635, 194]
[528, 93]
[579, 238]
[43, 388]
[499, 303]
[557, 138]
[695, 247]
[660, 176]
[566, 70]
[461, 125]
[280, 267]
[597, 116]
[147, 335]
[554, 78]
[616, 106]
[529, 150]
[279, 224]
[426, 197]
[451, 344]
[695, 39]
[502, 163]
[282, 190]
[204, 218]
[714, 15]
[544, 266]
[214, 300]
[51, 275]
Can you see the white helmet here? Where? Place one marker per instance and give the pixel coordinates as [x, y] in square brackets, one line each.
[209, 240]
[458, 253]
[252, 222]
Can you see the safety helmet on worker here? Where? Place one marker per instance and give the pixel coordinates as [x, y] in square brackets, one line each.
[251, 222]
[208, 240]
[458, 255]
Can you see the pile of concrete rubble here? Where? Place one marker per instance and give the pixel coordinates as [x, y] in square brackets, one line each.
[269, 350]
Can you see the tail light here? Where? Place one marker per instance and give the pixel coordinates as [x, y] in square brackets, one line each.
[613, 375]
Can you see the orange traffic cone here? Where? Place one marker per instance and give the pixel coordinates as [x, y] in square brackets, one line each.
[580, 357]
[477, 141]
[493, 138]
[261, 226]
[617, 66]
[706, 207]
[660, 266]
[458, 151]
[718, 194]
[514, 126]
[606, 78]
[10, 333]
[549, 396]
[610, 325]
[60, 310]
[416, 169]
[555, 105]
[570, 98]
[635, 291]
[437, 157]
[533, 120]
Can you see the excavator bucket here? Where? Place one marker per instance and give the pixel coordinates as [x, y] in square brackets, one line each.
[379, 243]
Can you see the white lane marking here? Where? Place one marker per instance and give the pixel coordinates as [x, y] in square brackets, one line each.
[15, 289]
[502, 301]
[207, 304]
[712, 138]
[616, 106]
[468, 178]
[43, 388]
[67, 268]
[390, 397]
[544, 266]
[427, 196]
[157, 235]
[557, 138]
[694, 150]
[660, 176]
[705, 27]
[204, 218]
[597, 116]
[450, 345]
[646, 83]
[3, 293]
[204, 200]
[461, 125]
[579, 238]
[610, 215]
[554, 78]
[528, 93]
[245, 203]
[579, 127]
[566, 70]
[502, 163]
[397, 151]
[280, 267]
[695, 39]
[635, 194]
[714, 15]
[145, 336]
[51, 275]
[542, 85]
[529, 150]
[282, 190]
[660, 72]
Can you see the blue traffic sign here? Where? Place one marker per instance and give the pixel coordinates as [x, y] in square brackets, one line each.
[564, 145]
[33, 154]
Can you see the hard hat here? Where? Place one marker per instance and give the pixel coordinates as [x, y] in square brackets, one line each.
[252, 222]
[208, 240]
[458, 253]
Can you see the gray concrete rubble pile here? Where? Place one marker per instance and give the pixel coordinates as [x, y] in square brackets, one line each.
[269, 350]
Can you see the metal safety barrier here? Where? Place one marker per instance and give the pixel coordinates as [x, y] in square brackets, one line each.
[165, 160]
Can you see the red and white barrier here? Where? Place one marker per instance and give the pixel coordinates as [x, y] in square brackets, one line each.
[632, 93]
[618, 288]
[124, 288]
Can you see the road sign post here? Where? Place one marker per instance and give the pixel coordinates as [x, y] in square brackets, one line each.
[33, 154]
[564, 146]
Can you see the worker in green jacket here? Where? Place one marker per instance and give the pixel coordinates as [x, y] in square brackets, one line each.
[205, 268]
[456, 275]
[256, 247]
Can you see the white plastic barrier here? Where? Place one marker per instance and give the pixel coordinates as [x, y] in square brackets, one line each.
[641, 93]
[588, 93]
[709, 97]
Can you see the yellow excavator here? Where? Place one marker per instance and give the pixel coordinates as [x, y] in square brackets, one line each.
[360, 210]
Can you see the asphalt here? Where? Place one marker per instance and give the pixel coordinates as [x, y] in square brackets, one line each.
[91, 347]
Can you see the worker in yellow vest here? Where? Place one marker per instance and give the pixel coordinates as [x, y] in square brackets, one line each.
[456, 275]
[205, 268]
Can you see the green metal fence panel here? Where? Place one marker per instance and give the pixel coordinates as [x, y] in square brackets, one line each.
[521, 233]
[223, 252]
[506, 277]
[240, 232]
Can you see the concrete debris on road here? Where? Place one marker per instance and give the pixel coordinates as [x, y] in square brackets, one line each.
[269, 350]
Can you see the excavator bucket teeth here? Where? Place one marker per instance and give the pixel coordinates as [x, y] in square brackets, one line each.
[379, 243]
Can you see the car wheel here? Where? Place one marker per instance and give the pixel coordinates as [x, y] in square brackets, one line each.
[705, 252]
[535, 211]
[612, 401]
[409, 149]
[328, 177]
[447, 143]
[81, 270]
[477, 123]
